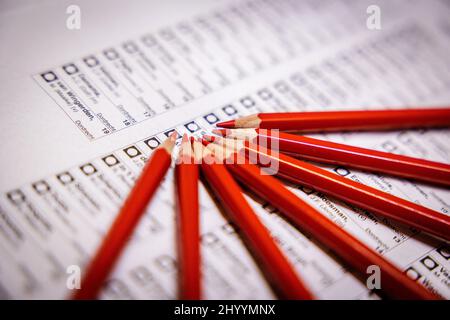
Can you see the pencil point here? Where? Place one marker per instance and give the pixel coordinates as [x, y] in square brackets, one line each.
[204, 141]
[185, 154]
[221, 132]
[173, 136]
[226, 124]
[170, 142]
[243, 134]
[209, 138]
[200, 151]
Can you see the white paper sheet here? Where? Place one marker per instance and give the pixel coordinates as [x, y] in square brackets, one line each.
[82, 109]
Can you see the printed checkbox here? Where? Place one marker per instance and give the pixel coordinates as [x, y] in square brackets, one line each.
[49, 76]
[298, 80]
[209, 238]
[229, 228]
[152, 143]
[130, 47]
[342, 171]
[211, 118]
[388, 146]
[111, 54]
[229, 110]
[169, 132]
[306, 190]
[16, 196]
[248, 102]
[429, 263]
[265, 94]
[192, 126]
[41, 187]
[444, 252]
[281, 86]
[149, 40]
[132, 151]
[141, 275]
[91, 61]
[201, 133]
[413, 273]
[111, 160]
[166, 263]
[65, 178]
[166, 34]
[313, 73]
[88, 169]
[116, 288]
[70, 69]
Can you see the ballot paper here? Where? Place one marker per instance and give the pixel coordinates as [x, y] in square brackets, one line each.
[88, 90]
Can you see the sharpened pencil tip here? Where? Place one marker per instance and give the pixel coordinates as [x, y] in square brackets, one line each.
[208, 138]
[170, 142]
[173, 136]
[185, 150]
[204, 141]
[226, 124]
[220, 132]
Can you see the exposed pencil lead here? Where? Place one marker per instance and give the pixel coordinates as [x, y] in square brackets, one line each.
[209, 138]
[204, 141]
[226, 124]
[250, 121]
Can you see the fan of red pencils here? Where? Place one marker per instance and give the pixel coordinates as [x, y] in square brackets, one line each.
[253, 151]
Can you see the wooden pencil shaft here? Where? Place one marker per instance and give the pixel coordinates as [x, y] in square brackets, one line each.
[277, 269]
[371, 199]
[124, 224]
[346, 120]
[394, 283]
[186, 177]
[356, 157]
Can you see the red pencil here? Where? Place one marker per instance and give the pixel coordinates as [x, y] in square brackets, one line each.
[276, 267]
[358, 194]
[394, 283]
[344, 120]
[186, 177]
[126, 221]
[342, 154]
